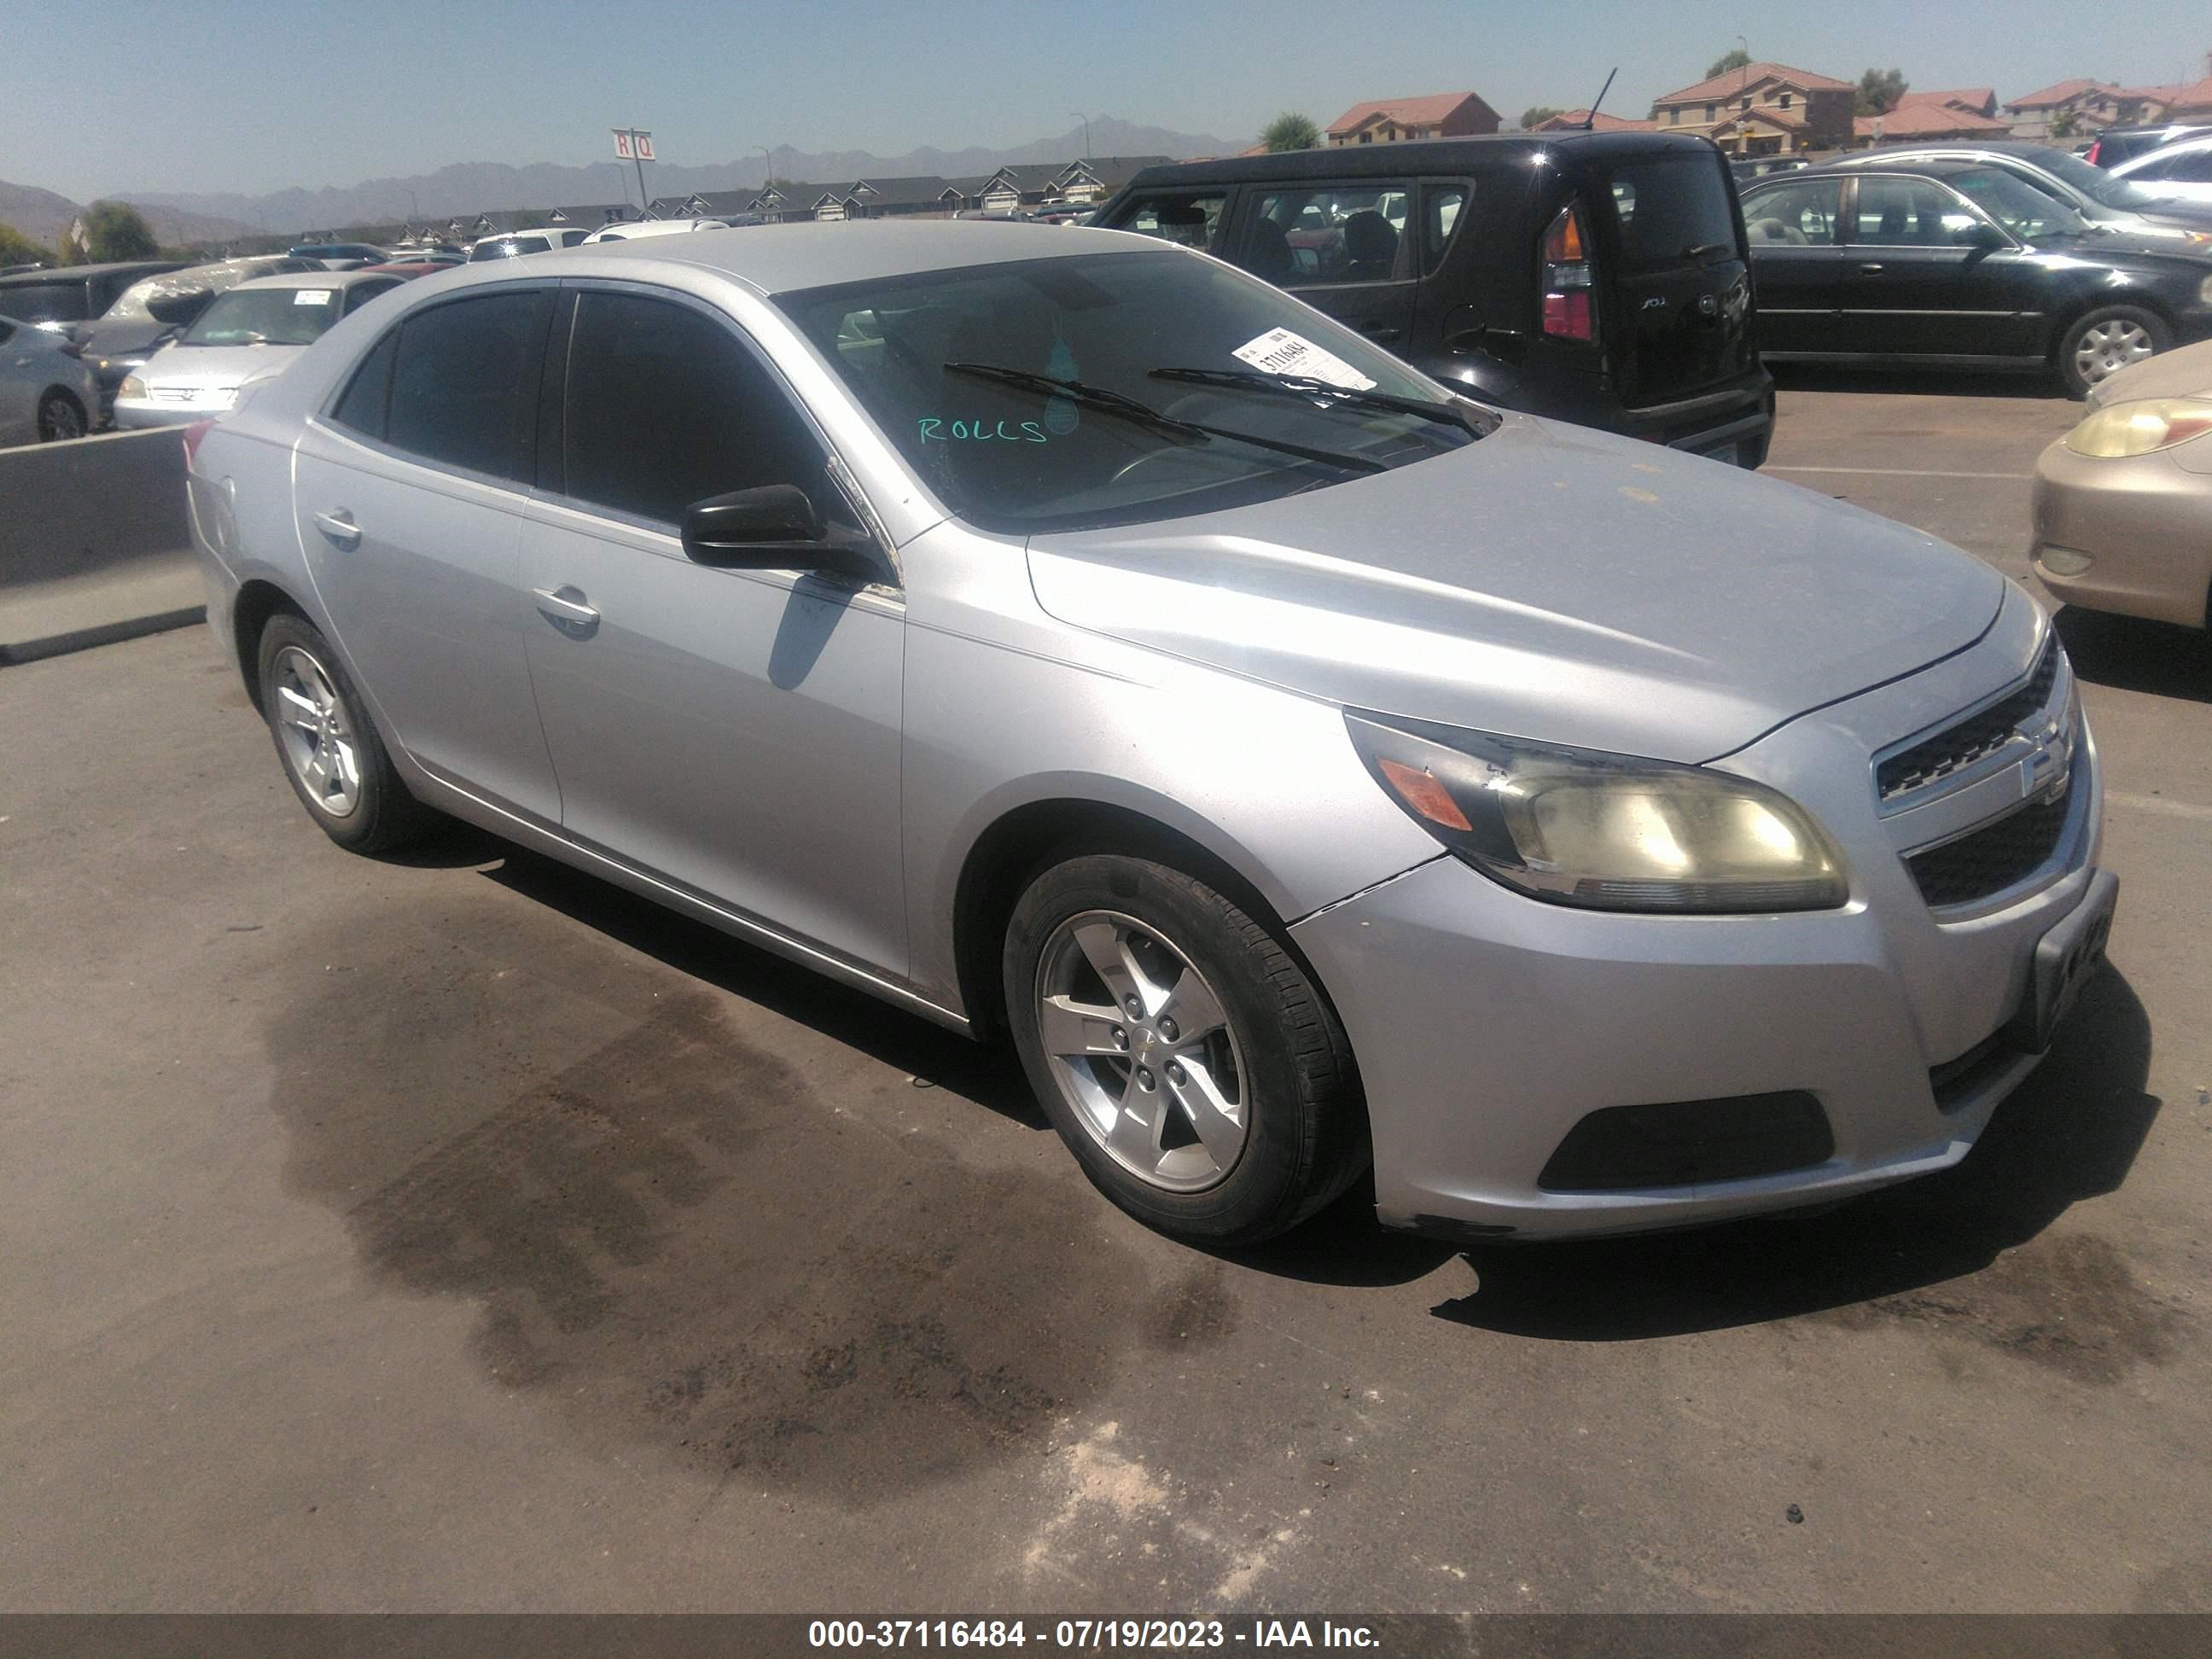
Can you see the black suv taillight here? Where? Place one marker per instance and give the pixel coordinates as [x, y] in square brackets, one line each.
[1569, 278]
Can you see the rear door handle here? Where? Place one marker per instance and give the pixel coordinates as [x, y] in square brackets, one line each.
[565, 608]
[339, 527]
[1869, 270]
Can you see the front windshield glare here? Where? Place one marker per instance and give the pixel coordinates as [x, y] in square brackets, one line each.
[2025, 212]
[266, 316]
[1058, 393]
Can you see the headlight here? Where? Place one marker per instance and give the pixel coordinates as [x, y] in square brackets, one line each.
[132, 387]
[1606, 832]
[2205, 288]
[2114, 430]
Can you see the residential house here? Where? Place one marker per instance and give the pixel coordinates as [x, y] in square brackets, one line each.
[1579, 120]
[1762, 109]
[1394, 120]
[1022, 185]
[1095, 177]
[2177, 102]
[2080, 105]
[1930, 116]
[592, 217]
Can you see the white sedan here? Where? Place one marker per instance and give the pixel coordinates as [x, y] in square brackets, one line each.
[2176, 172]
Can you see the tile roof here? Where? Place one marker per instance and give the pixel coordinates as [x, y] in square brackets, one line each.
[1572, 120]
[1421, 111]
[1920, 118]
[1792, 118]
[2047, 97]
[1750, 75]
[1980, 99]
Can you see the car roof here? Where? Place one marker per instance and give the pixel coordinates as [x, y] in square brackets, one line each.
[1426, 155]
[84, 273]
[780, 258]
[311, 279]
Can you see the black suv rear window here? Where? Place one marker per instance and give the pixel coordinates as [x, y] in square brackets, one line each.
[1669, 210]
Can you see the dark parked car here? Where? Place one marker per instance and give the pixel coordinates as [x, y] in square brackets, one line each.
[60, 299]
[2116, 144]
[1959, 264]
[1601, 278]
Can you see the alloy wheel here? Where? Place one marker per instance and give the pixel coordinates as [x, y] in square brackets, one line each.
[316, 733]
[1143, 1050]
[2110, 346]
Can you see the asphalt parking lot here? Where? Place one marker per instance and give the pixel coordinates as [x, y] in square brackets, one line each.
[462, 1233]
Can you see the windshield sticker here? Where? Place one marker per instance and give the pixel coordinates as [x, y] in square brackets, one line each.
[945, 431]
[1278, 352]
[313, 297]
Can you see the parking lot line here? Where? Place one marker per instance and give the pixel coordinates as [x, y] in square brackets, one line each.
[2172, 809]
[1898, 472]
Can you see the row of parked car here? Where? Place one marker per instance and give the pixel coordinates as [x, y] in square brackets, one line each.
[154, 342]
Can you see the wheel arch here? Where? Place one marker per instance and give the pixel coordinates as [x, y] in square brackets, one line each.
[2063, 319]
[259, 601]
[1006, 855]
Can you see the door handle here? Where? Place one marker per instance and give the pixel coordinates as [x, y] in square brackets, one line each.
[1869, 270]
[339, 527]
[564, 607]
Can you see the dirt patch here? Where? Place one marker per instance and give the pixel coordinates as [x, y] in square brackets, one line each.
[2067, 1302]
[679, 1238]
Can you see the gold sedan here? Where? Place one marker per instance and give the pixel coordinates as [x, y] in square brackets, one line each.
[2123, 502]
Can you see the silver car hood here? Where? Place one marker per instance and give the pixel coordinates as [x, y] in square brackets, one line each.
[215, 367]
[1548, 582]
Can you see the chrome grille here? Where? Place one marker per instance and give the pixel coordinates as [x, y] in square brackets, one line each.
[1977, 736]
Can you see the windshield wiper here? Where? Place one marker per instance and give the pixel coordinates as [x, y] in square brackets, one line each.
[1700, 251]
[1305, 386]
[1143, 414]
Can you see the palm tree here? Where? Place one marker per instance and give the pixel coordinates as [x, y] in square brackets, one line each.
[1290, 130]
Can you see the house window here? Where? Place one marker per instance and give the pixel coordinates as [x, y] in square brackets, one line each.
[1746, 104]
[1712, 110]
[1783, 100]
[1366, 137]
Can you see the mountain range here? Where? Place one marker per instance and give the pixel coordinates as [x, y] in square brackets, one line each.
[486, 186]
[42, 216]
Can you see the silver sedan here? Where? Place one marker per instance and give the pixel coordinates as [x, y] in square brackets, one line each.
[1061, 634]
[46, 391]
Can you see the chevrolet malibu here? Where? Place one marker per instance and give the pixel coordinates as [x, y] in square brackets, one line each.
[1061, 634]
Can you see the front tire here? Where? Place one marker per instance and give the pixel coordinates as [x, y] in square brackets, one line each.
[332, 754]
[2099, 344]
[61, 417]
[1198, 1076]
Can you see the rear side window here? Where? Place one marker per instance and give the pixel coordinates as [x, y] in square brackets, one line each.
[1442, 205]
[1668, 211]
[465, 382]
[666, 407]
[1796, 216]
[362, 409]
[1348, 233]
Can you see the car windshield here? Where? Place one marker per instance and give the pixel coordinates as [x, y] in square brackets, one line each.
[266, 316]
[2093, 181]
[1118, 388]
[45, 302]
[2020, 208]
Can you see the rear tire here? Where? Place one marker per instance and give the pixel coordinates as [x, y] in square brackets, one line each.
[2099, 344]
[1223, 1106]
[61, 417]
[328, 746]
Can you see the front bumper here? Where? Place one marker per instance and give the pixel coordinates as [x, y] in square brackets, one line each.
[1488, 1026]
[2144, 525]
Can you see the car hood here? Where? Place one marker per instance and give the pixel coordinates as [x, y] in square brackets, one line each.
[215, 367]
[1548, 582]
[2185, 372]
[117, 339]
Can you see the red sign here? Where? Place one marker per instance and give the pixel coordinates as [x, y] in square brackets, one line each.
[644, 145]
[621, 144]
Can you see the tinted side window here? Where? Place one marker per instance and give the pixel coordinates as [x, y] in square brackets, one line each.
[1349, 232]
[1796, 216]
[1440, 208]
[664, 407]
[362, 408]
[1909, 213]
[2189, 167]
[1193, 221]
[464, 388]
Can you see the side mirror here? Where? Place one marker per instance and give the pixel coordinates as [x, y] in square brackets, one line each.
[776, 527]
[181, 310]
[1984, 235]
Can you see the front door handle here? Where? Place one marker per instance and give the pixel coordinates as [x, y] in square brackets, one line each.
[565, 608]
[339, 526]
[1870, 269]
[1383, 331]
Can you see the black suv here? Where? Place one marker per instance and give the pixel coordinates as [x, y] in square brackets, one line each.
[1601, 278]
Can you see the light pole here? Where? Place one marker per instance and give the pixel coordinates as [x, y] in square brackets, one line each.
[1085, 119]
[768, 178]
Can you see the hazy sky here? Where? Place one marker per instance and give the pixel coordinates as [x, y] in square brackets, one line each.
[256, 94]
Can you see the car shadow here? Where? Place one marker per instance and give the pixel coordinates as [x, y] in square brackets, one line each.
[2071, 1131]
[1914, 382]
[986, 1074]
[2130, 654]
